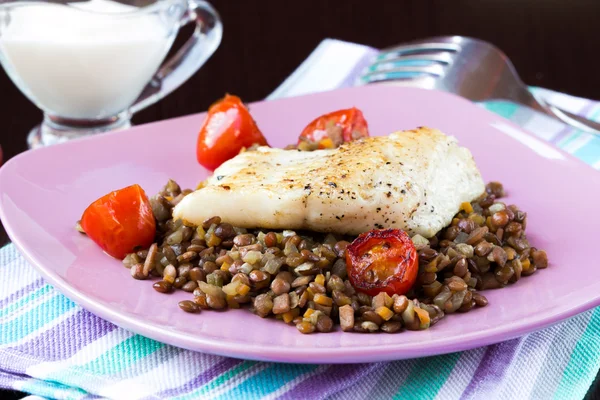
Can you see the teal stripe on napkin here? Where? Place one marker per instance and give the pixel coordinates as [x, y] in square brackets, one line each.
[427, 377]
[584, 362]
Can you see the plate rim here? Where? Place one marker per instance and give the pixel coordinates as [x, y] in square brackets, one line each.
[261, 352]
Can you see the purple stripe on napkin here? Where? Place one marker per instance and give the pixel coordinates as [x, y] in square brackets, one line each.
[7, 379]
[68, 337]
[200, 380]
[492, 366]
[330, 381]
[15, 362]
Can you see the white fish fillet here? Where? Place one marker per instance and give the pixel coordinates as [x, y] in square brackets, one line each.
[413, 180]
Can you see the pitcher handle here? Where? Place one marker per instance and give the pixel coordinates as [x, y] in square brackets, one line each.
[188, 60]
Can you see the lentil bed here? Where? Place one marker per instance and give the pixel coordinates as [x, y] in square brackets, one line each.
[300, 278]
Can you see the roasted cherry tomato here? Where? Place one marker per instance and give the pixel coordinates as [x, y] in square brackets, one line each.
[331, 130]
[228, 128]
[121, 221]
[382, 260]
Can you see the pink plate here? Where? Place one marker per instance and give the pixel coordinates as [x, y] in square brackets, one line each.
[43, 193]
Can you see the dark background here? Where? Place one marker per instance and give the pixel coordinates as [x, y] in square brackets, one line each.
[553, 43]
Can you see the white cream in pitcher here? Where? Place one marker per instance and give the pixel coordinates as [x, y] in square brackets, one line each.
[83, 64]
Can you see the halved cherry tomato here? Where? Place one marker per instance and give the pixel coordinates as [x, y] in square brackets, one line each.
[332, 129]
[382, 260]
[120, 221]
[228, 128]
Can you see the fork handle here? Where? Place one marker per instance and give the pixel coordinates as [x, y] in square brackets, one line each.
[576, 121]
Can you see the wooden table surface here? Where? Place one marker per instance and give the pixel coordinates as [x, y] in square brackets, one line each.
[552, 43]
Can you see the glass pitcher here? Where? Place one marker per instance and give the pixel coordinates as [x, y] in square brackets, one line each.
[90, 65]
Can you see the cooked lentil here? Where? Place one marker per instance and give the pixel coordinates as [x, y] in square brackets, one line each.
[137, 272]
[189, 306]
[301, 279]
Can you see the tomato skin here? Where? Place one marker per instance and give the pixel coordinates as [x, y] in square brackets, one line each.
[120, 221]
[383, 260]
[227, 129]
[339, 126]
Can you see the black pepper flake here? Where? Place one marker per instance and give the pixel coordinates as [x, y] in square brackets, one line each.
[388, 163]
[378, 226]
[400, 163]
[389, 194]
[403, 191]
[332, 184]
[307, 187]
[338, 218]
[378, 209]
[389, 184]
[344, 175]
[432, 208]
[342, 191]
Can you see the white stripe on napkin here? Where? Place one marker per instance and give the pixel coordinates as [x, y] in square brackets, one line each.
[459, 378]
[577, 143]
[169, 374]
[540, 147]
[565, 101]
[326, 68]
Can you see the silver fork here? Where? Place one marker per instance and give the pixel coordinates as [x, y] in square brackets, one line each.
[471, 68]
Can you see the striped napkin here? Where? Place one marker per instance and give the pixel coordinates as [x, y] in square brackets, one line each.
[52, 348]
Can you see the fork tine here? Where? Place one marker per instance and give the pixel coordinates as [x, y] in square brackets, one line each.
[397, 51]
[405, 77]
[442, 58]
[406, 71]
